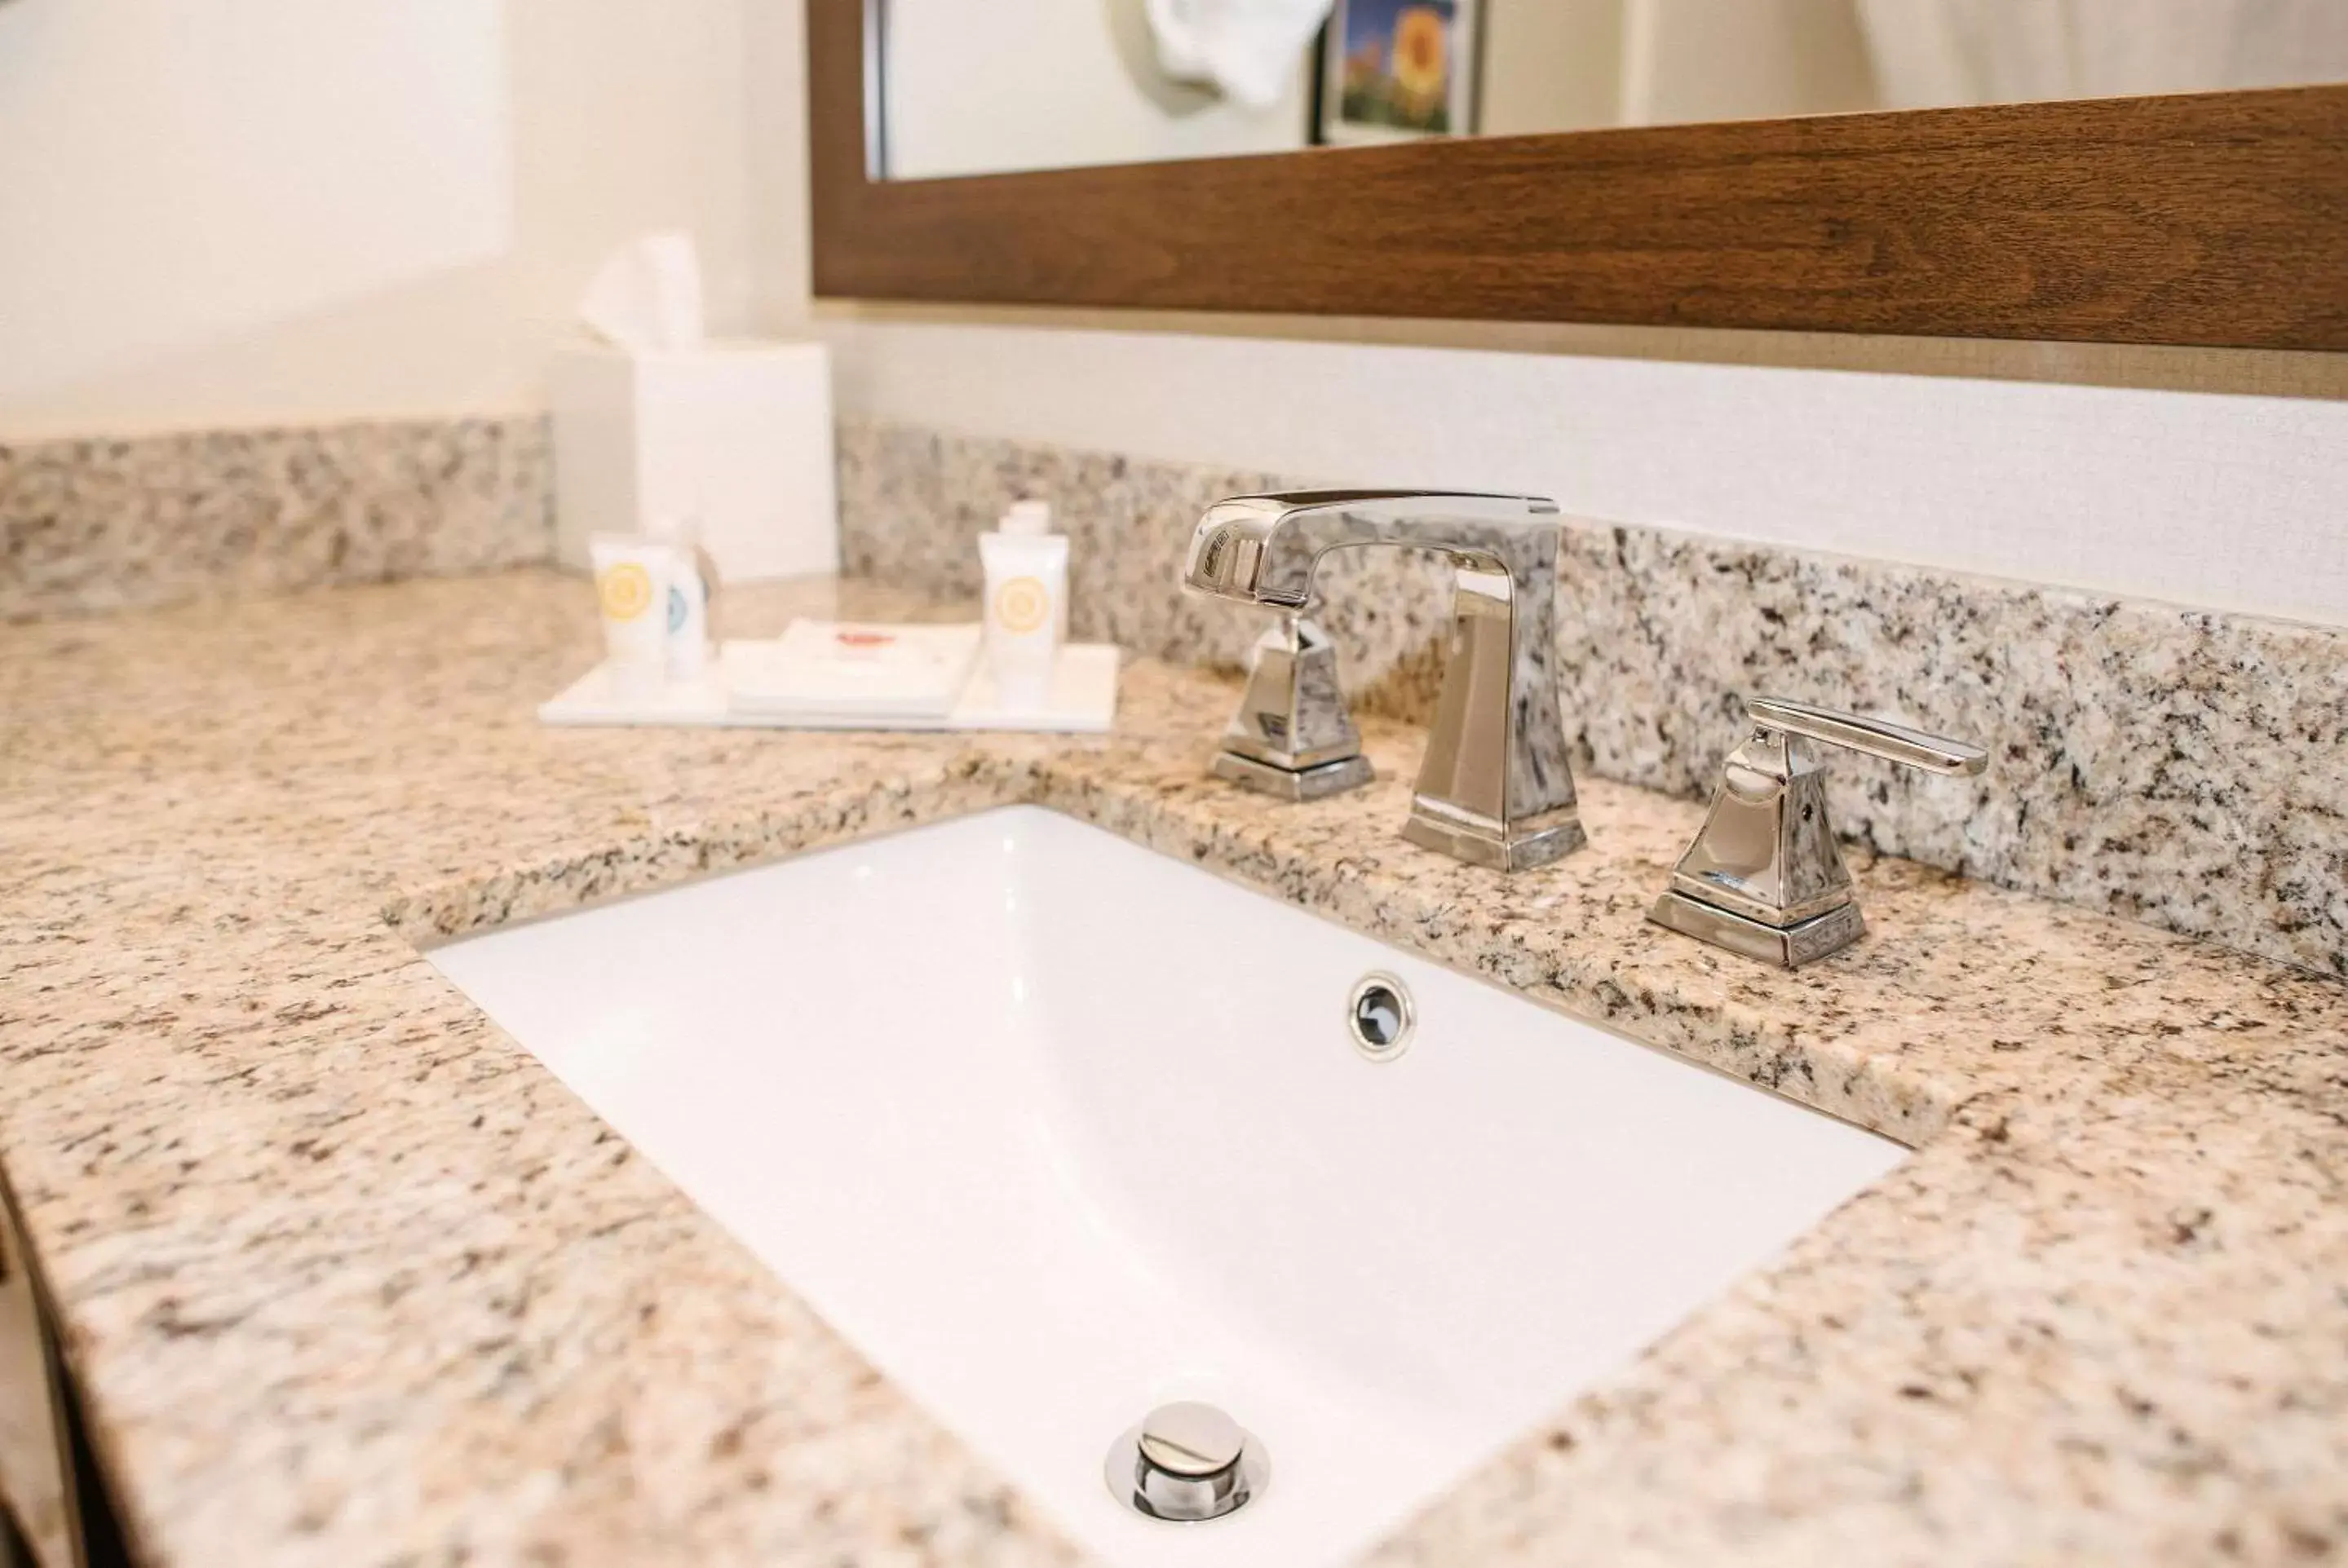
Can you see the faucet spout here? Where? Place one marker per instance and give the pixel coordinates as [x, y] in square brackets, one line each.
[1496, 787]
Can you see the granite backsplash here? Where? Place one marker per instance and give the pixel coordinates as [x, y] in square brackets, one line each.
[2181, 767]
[132, 523]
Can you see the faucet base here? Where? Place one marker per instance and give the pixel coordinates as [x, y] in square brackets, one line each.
[1519, 846]
[1788, 947]
[1315, 783]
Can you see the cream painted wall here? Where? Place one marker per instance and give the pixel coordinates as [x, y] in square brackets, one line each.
[242, 211]
[1552, 65]
[1571, 65]
[1688, 60]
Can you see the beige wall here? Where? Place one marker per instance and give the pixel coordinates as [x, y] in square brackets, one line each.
[1574, 65]
[240, 212]
[1554, 65]
[1688, 60]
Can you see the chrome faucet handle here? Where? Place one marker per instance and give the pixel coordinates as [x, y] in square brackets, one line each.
[1873, 737]
[1291, 736]
[1764, 877]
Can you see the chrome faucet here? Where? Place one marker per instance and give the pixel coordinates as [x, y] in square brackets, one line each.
[1495, 788]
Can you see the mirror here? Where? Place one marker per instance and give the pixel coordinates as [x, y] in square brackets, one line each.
[1103, 133]
[1020, 85]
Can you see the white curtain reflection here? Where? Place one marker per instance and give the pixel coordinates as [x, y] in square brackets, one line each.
[1929, 53]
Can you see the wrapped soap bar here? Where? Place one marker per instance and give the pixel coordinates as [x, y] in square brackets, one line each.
[854, 669]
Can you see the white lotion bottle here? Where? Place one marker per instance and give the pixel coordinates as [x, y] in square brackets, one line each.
[1026, 605]
[1034, 517]
[692, 579]
[632, 583]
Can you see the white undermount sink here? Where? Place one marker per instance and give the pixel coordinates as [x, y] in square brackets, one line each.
[1054, 1129]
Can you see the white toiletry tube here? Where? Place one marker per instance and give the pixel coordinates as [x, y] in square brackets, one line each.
[691, 581]
[1027, 583]
[631, 582]
[1033, 517]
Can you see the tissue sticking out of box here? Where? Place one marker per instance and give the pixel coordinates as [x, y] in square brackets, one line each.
[646, 298]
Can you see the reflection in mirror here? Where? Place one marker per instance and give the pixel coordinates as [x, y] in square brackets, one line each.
[1011, 85]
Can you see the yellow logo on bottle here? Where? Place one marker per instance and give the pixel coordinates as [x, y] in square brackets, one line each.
[1021, 605]
[625, 589]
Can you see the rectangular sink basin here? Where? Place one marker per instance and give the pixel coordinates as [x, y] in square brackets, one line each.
[1055, 1130]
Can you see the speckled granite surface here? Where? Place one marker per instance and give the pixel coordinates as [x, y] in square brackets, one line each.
[111, 524]
[2184, 768]
[348, 1278]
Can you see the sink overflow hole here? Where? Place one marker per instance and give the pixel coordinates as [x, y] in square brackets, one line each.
[1380, 1017]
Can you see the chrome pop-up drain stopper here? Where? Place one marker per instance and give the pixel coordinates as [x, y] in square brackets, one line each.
[1187, 1462]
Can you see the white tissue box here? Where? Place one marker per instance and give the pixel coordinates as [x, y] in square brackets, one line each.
[735, 435]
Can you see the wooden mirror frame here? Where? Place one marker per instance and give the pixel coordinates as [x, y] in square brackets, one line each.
[2212, 219]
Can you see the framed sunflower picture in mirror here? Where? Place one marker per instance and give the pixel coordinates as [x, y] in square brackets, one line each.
[1398, 70]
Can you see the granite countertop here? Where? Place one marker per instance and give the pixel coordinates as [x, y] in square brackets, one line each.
[346, 1277]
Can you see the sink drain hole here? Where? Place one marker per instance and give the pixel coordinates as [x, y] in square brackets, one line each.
[1380, 1017]
[1187, 1464]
